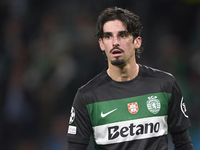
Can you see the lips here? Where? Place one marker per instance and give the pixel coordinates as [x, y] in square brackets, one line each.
[116, 51]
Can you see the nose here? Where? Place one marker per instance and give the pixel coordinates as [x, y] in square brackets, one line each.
[116, 41]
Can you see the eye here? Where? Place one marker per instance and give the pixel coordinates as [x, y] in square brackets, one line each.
[107, 36]
[123, 34]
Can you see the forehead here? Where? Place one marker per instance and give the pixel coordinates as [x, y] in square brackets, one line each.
[114, 26]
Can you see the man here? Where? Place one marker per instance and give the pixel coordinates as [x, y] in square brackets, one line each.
[127, 106]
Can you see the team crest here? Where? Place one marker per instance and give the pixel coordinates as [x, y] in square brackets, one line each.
[133, 107]
[153, 104]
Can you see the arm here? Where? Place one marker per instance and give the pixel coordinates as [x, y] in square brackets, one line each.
[178, 120]
[80, 128]
[182, 140]
[75, 146]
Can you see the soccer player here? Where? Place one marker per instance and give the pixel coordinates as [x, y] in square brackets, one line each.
[128, 105]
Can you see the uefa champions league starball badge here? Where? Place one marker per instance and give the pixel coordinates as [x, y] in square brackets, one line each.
[72, 117]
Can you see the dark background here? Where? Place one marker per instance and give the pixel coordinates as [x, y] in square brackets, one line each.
[47, 51]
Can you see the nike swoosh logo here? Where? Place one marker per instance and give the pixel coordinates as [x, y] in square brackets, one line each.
[106, 114]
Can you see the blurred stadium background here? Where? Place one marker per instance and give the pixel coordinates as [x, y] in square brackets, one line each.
[47, 51]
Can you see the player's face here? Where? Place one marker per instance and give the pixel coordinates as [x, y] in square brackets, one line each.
[118, 44]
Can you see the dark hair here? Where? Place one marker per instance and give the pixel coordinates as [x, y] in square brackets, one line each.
[130, 20]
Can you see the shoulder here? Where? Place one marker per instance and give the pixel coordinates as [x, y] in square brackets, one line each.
[163, 78]
[99, 80]
[147, 71]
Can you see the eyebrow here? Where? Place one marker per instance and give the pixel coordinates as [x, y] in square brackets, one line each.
[124, 31]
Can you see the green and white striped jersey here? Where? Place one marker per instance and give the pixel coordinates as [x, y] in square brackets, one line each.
[129, 115]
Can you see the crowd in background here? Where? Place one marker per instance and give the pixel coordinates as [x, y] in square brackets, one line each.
[48, 50]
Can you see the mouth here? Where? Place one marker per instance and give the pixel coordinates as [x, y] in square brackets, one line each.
[115, 52]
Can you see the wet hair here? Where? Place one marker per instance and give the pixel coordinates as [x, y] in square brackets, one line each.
[129, 19]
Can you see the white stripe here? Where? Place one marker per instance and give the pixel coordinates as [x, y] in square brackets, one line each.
[130, 130]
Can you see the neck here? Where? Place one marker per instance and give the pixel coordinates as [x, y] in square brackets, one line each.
[125, 73]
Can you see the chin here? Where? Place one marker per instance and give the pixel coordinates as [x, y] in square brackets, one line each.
[118, 62]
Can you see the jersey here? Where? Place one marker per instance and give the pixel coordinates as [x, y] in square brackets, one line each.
[135, 114]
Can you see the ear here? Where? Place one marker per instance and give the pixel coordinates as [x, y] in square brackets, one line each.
[138, 42]
[101, 44]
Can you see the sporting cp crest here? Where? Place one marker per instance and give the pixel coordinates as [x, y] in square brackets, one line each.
[133, 107]
[153, 104]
